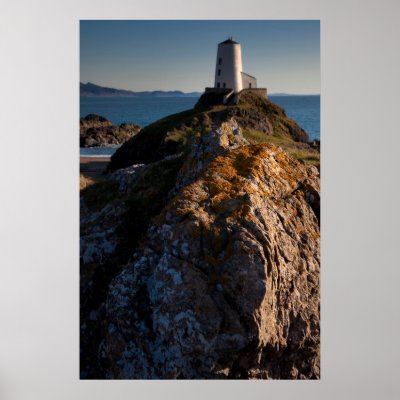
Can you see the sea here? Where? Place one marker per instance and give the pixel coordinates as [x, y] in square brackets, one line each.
[305, 110]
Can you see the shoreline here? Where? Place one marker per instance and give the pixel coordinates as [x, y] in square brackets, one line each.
[94, 158]
[99, 156]
[94, 165]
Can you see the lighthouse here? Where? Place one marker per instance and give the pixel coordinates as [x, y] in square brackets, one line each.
[230, 81]
[228, 70]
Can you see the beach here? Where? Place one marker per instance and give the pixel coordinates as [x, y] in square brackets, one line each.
[93, 166]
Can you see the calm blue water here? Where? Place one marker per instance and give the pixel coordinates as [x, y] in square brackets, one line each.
[139, 110]
[98, 151]
[305, 110]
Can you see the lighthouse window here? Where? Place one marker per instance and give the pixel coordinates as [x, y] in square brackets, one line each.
[218, 85]
[224, 85]
[220, 61]
[219, 72]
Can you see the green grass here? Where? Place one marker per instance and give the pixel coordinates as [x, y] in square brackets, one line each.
[254, 136]
[184, 134]
[97, 195]
[309, 156]
[174, 133]
[169, 135]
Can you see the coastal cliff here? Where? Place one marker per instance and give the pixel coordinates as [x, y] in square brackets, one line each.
[200, 251]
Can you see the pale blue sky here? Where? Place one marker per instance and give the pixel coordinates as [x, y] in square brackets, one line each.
[169, 55]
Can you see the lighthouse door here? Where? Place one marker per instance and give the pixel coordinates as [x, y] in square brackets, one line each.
[224, 85]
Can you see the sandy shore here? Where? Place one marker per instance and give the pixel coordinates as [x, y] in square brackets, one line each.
[93, 166]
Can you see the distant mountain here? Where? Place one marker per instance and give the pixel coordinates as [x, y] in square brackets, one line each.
[292, 94]
[90, 89]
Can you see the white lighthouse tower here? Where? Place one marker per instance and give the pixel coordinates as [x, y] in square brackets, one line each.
[230, 81]
[228, 71]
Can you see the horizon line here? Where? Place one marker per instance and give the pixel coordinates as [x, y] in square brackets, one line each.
[196, 91]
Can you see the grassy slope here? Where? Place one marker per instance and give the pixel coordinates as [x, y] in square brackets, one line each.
[174, 133]
[169, 135]
[285, 133]
[296, 150]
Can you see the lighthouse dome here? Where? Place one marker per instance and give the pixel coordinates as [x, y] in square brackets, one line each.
[229, 41]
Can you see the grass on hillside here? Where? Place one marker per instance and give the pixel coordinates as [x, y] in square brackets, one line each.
[169, 135]
[97, 193]
[195, 127]
[85, 181]
[174, 133]
[295, 149]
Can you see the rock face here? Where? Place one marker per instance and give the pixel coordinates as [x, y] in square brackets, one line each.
[224, 282]
[97, 131]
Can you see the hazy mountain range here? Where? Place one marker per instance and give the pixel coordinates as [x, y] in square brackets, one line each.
[90, 89]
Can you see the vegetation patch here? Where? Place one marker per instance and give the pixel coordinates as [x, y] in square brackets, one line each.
[299, 151]
[85, 181]
[262, 108]
[167, 136]
[261, 120]
[99, 194]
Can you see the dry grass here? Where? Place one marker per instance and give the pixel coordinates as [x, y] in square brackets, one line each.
[85, 181]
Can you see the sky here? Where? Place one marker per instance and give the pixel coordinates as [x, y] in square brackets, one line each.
[140, 55]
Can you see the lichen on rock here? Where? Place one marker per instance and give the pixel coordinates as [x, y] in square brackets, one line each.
[224, 282]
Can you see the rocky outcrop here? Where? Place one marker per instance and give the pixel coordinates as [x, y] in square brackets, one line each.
[224, 280]
[252, 111]
[174, 133]
[97, 131]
